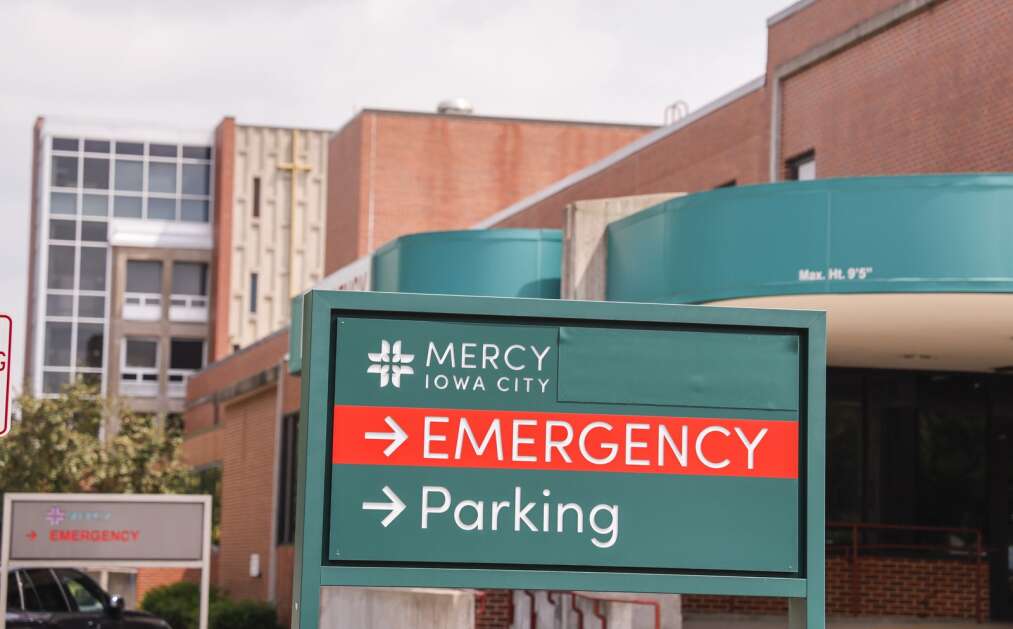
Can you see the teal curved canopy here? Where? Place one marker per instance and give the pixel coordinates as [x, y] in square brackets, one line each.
[914, 234]
[497, 263]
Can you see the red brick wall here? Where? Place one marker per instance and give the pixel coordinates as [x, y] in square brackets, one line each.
[428, 172]
[150, 578]
[887, 587]
[286, 565]
[494, 609]
[932, 94]
[727, 144]
[225, 151]
[345, 182]
[247, 488]
[817, 23]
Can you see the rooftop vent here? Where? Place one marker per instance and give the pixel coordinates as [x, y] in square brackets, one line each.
[458, 106]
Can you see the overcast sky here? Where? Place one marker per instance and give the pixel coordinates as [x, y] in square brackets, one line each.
[188, 63]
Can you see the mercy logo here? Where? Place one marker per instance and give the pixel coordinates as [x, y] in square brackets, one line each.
[390, 363]
[55, 516]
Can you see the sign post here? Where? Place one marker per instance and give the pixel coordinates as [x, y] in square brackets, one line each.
[6, 345]
[107, 531]
[530, 444]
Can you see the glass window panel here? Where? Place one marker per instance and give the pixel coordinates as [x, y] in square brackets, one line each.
[129, 175]
[197, 152]
[194, 211]
[144, 276]
[90, 378]
[161, 177]
[54, 381]
[47, 590]
[95, 205]
[91, 306]
[96, 173]
[65, 144]
[127, 207]
[142, 353]
[89, 344]
[186, 354]
[162, 209]
[59, 305]
[62, 230]
[57, 344]
[13, 593]
[63, 203]
[93, 268]
[96, 146]
[64, 171]
[129, 148]
[61, 267]
[189, 278]
[95, 231]
[196, 178]
[163, 150]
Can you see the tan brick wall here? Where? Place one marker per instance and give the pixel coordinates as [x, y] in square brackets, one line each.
[247, 488]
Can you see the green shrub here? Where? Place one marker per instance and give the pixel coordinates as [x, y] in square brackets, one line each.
[242, 615]
[176, 603]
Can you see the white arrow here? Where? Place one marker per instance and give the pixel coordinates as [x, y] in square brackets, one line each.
[395, 506]
[396, 438]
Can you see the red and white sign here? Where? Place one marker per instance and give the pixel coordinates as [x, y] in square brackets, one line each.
[6, 342]
[578, 442]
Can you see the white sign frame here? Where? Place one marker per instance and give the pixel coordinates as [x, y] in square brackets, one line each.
[204, 564]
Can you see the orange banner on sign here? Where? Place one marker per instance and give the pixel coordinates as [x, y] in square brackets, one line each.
[574, 442]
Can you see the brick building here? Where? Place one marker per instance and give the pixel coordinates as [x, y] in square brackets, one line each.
[874, 87]
[388, 173]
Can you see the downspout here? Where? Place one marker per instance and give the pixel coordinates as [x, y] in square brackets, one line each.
[272, 557]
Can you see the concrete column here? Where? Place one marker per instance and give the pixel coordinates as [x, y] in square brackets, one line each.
[585, 244]
[382, 608]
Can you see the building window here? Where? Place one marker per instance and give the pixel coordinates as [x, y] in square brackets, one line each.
[189, 278]
[143, 298]
[801, 167]
[287, 480]
[186, 357]
[89, 344]
[256, 197]
[139, 368]
[253, 293]
[144, 276]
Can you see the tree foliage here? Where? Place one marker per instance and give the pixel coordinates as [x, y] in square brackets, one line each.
[56, 445]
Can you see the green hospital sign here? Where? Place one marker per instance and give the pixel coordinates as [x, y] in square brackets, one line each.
[473, 442]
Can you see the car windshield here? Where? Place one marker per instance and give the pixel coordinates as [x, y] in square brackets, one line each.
[87, 596]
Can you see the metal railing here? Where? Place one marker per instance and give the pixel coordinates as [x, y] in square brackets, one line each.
[852, 549]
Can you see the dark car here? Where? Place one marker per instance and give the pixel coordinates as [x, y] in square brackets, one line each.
[68, 599]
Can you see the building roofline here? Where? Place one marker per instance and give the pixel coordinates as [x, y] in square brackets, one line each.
[628, 150]
[224, 359]
[283, 127]
[466, 117]
[124, 129]
[788, 11]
